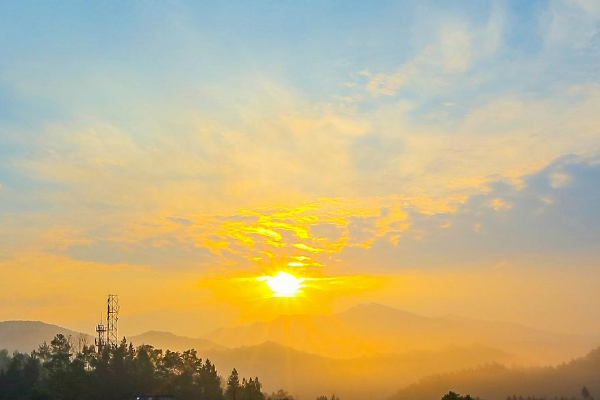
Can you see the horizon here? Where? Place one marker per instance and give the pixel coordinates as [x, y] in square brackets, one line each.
[91, 332]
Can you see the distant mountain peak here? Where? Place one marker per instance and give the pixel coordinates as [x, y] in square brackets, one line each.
[168, 340]
[378, 309]
[25, 322]
[26, 336]
[158, 333]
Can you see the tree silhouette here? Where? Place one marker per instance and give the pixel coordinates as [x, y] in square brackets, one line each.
[281, 395]
[233, 385]
[62, 371]
[585, 393]
[333, 397]
[455, 396]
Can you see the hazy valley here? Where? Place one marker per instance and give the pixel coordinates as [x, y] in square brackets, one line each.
[368, 351]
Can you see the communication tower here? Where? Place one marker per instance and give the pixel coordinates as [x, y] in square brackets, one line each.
[112, 320]
[108, 334]
[101, 339]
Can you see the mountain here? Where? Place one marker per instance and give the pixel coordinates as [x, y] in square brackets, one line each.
[308, 375]
[168, 340]
[371, 329]
[278, 366]
[325, 335]
[25, 336]
[496, 382]
[398, 330]
[367, 351]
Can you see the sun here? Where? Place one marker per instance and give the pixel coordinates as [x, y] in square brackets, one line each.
[283, 284]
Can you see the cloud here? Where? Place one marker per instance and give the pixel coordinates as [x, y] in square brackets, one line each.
[180, 220]
[284, 155]
[389, 84]
[571, 23]
[165, 253]
[455, 43]
[510, 222]
[433, 65]
[531, 216]
[255, 194]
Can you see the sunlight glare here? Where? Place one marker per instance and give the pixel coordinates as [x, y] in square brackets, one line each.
[283, 284]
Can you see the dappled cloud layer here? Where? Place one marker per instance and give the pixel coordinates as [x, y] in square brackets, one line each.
[409, 162]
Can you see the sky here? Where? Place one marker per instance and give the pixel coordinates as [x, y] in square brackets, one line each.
[441, 157]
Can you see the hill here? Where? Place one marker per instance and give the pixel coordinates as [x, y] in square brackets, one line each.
[371, 329]
[496, 382]
[308, 375]
[367, 351]
[25, 336]
[168, 340]
[278, 366]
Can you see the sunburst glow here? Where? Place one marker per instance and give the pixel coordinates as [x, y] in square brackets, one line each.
[283, 284]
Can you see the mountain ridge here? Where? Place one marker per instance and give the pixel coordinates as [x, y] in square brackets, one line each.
[173, 342]
[373, 328]
[496, 382]
[27, 335]
[362, 330]
[309, 374]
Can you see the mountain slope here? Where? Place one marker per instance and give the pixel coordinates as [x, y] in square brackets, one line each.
[376, 329]
[496, 382]
[328, 336]
[168, 340]
[25, 336]
[305, 374]
[309, 375]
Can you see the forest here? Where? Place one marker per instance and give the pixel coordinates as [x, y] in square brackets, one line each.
[576, 379]
[59, 370]
[62, 370]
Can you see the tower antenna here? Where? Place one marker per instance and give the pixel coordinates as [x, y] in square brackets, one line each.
[101, 339]
[112, 320]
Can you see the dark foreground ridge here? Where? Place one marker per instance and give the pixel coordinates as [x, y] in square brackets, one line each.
[497, 382]
[60, 372]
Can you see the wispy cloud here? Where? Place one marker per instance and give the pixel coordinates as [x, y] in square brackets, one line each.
[171, 144]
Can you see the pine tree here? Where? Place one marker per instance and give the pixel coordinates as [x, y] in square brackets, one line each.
[233, 386]
[585, 393]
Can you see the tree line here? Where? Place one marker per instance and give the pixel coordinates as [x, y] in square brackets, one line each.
[585, 393]
[57, 371]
